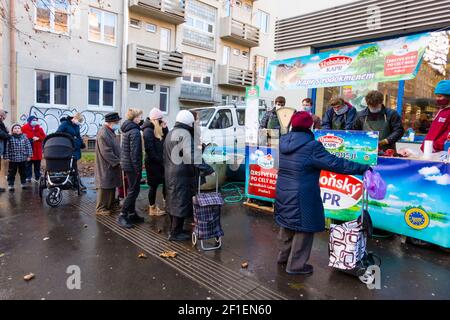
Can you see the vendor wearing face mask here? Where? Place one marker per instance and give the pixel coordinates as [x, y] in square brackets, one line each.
[270, 119]
[307, 106]
[340, 116]
[440, 127]
[376, 117]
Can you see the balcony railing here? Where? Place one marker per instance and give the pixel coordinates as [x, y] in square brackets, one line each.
[239, 32]
[236, 77]
[155, 61]
[195, 93]
[171, 11]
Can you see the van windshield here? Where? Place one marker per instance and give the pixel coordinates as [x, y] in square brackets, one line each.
[205, 115]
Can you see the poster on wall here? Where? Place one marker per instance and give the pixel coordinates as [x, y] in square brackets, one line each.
[381, 61]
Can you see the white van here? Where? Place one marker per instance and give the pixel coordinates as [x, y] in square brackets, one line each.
[222, 125]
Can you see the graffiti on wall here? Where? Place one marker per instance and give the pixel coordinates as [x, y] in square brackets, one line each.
[50, 119]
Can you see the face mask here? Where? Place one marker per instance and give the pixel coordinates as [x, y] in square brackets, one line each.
[442, 102]
[341, 110]
[307, 109]
[375, 110]
[34, 123]
[115, 126]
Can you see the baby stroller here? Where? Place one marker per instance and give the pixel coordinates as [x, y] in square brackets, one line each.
[347, 246]
[60, 171]
[207, 208]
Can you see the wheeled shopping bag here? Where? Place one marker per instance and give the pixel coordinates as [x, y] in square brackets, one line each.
[207, 210]
[347, 246]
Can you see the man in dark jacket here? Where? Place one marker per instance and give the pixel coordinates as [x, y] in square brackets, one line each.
[339, 116]
[270, 119]
[4, 137]
[131, 163]
[298, 206]
[181, 165]
[376, 117]
[108, 175]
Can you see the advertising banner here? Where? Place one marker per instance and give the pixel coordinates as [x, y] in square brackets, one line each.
[388, 60]
[261, 173]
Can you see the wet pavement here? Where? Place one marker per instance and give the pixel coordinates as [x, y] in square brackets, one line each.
[35, 238]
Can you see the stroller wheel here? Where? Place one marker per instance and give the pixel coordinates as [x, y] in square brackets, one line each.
[194, 239]
[54, 197]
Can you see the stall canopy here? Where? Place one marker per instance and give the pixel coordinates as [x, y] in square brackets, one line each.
[388, 60]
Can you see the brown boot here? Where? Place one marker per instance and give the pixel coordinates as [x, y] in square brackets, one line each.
[103, 213]
[155, 211]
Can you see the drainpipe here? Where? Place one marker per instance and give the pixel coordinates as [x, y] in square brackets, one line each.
[12, 62]
[123, 106]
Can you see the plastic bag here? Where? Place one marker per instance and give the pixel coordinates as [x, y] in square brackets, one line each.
[375, 185]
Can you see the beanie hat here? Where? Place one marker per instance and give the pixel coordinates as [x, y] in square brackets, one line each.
[156, 114]
[443, 87]
[15, 125]
[301, 120]
[185, 117]
[31, 118]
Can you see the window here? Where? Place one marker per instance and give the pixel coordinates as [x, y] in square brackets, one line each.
[164, 99]
[224, 99]
[222, 120]
[205, 115]
[198, 70]
[150, 88]
[199, 27]
[226, 55]
[241, 117]
[262, 21]
[91, 144]
[51, 88]
[227, 7]
[236, 52]
[150, 27]
[135, 23]
[244, 53]
[52, 15]
[234, 99]
[261, 66]
[102, 26]
[101, 93]
[135, 86]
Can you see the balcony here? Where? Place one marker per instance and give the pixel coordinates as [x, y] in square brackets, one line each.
[235, 77]
[169, 64]
[196, 94]
[239, 32]
[171, 11]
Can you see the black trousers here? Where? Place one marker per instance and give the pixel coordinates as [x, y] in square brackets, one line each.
[12, 171]
[176, 225]
[134, 187]
[153, 188]
[37, 169]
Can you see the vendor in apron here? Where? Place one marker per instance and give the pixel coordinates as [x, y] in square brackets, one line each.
[376, 117]
[339, 116]
[270, 119]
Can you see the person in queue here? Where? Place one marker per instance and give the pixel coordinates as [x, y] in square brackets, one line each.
[298, 206]
[4, 137]
[131, 163]
[270, 119]
[440, 127]
[307, 106]
[36, 135]
[107, 165]
[376, 117]
[339, 116]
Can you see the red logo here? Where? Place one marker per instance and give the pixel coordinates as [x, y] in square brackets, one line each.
[335, 64]
[331, 142]
[346, 185]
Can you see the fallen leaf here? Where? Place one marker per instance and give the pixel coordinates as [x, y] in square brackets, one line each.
[46, 238]
[2, 255]
[142, 256]
[244, 265]
[28, 277]
[168, 254]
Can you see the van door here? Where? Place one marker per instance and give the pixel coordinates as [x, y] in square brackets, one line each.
[222, 128]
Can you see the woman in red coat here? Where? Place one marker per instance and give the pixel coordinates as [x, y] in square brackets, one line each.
[36, 135]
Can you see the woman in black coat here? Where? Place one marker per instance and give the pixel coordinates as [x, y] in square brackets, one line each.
[155, 131]
[298, 207]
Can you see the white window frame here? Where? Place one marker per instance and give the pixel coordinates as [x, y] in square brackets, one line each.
[139, 23]
[134, 89]
[150, 84]
[259, 15]
[52, 19]
[147, 24]
[102, 27]
[52, 90]
[101, 107]
[168, 99]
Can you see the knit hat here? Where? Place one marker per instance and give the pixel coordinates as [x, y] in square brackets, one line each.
[15, 125]
[31, 118]
[185, 117]
[156, 114]
[301, 120]
[443, 87]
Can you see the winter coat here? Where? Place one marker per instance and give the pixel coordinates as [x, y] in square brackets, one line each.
[439, 130]
[270, 120]
[32, 132]
[181, 177]
[394, 120]
[18, 148]
[298, 204]
[131, 148]
[107, 165]
[73, 130]
[4, 137]
[346, 119]
[154, 149]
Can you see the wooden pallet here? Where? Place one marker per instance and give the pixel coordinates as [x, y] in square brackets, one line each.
[259, 208]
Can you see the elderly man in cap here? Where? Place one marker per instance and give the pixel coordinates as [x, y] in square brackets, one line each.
[4, 136]
[107, 164]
